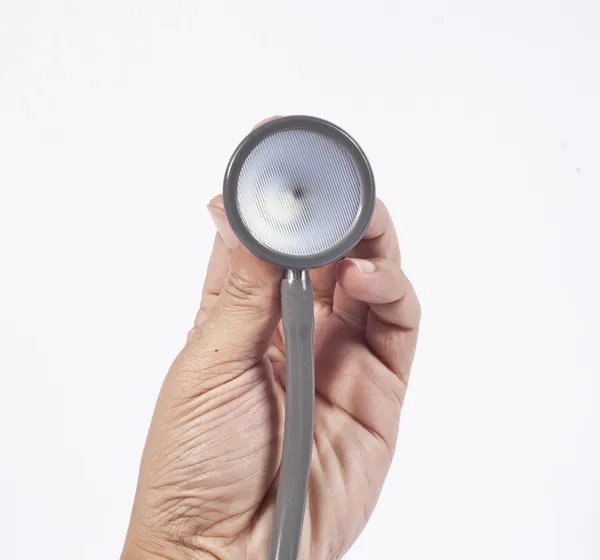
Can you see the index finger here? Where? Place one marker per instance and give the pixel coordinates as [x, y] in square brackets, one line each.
[380, 239]
[379, 242]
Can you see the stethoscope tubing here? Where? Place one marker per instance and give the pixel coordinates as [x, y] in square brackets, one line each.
[290, 504]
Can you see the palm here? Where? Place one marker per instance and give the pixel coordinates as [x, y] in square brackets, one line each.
[213, 479]
[355, 431]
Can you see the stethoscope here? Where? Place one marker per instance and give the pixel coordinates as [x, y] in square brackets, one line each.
[299, 193]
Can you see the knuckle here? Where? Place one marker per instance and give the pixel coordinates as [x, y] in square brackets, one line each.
[411, 300]
[245, 291]
[418, 311]
[243, 286]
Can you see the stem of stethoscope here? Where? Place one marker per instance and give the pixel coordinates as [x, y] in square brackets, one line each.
[298, 326]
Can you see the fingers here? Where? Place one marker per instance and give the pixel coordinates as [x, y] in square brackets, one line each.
[379, 238]
[394, 309]
[380, 241]
[250, 295]
[216, 275]
[323, 283]
[218, 270]
[243, 315]
[218, 265]
[375, 295]
[264, 121]
[382, 284]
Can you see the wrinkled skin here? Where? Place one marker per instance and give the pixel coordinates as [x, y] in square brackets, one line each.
[208, 477]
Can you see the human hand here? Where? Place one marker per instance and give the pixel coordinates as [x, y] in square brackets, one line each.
[208, 477]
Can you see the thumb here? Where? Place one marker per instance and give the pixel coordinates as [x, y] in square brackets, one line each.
[241, 323]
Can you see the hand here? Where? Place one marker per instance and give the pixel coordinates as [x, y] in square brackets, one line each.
[208, 477]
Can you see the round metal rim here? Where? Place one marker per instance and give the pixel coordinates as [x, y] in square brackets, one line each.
[367, 202]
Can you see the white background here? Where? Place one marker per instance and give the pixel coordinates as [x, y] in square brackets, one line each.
[482, 122]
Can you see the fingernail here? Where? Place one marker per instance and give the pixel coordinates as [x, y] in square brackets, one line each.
[220, 219]
[364, 267]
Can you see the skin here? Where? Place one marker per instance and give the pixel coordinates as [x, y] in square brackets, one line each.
[208, 477]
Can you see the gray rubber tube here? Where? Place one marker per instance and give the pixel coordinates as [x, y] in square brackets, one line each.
[298, 326]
